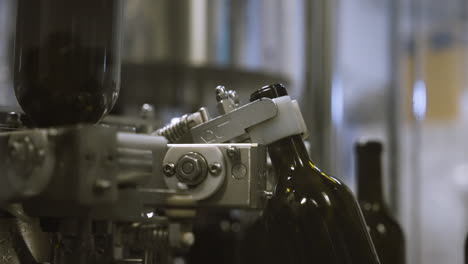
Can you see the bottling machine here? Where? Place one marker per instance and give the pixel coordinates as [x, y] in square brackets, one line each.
[81, 186]
[105, 194]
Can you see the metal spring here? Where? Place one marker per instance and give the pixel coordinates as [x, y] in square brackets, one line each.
[161, 238]
[154, 237]
[160, 246]
[176, 130]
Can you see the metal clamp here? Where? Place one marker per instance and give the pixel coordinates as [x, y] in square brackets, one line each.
[235, 123]
[263, 121]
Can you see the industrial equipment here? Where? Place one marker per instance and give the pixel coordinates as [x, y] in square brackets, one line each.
[104, 192]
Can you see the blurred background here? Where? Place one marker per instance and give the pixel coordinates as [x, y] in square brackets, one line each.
[385, 69]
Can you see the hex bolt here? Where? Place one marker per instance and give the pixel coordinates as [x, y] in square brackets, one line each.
[188, 167]
[192, 168]
[215, 169]
[169, 169]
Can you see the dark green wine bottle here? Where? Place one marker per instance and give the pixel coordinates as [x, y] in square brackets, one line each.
[466, 250]
[385, 232]
[312, 218]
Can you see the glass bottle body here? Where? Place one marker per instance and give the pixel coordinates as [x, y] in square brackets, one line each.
[311, 218]
[385, 232]
[466, 250]
[67, 59]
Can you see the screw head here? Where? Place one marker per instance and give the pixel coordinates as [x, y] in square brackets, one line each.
[215, 169]
[234, 96]
[147, 111]
[221, 93]
[169, 169]
[232, 152]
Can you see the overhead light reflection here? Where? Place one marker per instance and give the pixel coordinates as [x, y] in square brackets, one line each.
[327, 199]
[337, 106]
[419, 100]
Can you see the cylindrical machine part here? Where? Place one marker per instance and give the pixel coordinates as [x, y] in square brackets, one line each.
[67, 59]
[141, 142]
[7, 25]
[135, 166]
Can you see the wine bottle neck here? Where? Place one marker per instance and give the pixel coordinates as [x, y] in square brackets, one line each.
[288, 153]
[369, 172]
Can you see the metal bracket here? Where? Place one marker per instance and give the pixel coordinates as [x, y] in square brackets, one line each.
[234, 124]
[210, 183]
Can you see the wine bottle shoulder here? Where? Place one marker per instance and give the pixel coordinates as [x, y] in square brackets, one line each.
[382, 224]
[308, 193]
[312, 206]
[388, 239]
[310, 183]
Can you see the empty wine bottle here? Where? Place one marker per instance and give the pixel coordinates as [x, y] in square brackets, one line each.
[384, 230]
[67, 60]
[466, 250]
[312, 218]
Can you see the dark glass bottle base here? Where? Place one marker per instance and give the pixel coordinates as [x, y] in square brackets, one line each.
[56, 106]
[67, 63]
[466, 250]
